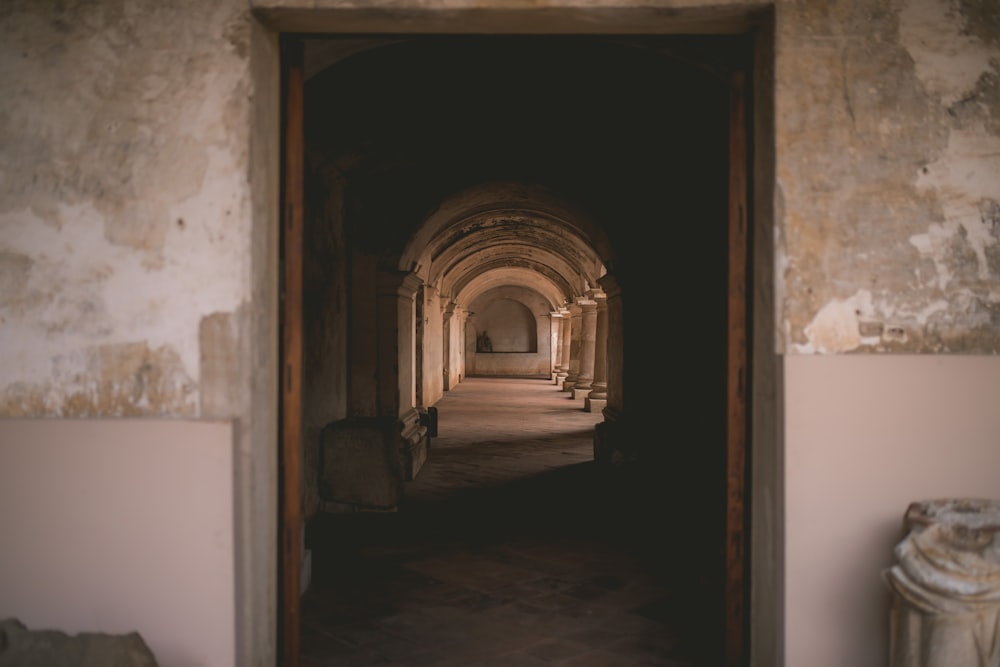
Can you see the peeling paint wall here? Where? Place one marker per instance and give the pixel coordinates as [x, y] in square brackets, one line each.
[888, 141]
[138, 244]
[124, 201]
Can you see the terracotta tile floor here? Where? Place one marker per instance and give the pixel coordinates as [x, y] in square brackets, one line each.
[511, 548]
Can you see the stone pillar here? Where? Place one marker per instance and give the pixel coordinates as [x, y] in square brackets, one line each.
[611, 444]
[598, 396]
[469, 343]
[563, 367]
[588, 344]
[366, 458]
[555, 326]
[447, 322]
[576, 328]
[396, 311]
[460, 357]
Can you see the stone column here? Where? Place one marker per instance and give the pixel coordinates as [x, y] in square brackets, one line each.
[598, 396]
[396, 311]
[563, 367]
[588, 342]
[611, 444]
[366, 459]
[447, 324]
[946, 585]
[460, 358]
[555, 324]
[576, 329]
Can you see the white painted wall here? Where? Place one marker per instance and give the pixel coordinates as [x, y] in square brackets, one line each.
[119, 526]
[866, 435]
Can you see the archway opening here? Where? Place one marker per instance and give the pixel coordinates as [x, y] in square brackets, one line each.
[647, 162]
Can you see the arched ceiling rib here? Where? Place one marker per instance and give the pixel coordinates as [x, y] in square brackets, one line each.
[540, 273]
[478, 260]
[507, 277]
[506, 204]
[506, 231]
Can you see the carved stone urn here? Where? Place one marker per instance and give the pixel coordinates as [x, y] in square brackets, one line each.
[946, 585]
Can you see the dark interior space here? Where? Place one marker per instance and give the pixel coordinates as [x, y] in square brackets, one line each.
[512, 548]
[634, 131]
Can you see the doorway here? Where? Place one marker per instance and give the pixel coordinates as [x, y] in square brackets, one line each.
[678, 350]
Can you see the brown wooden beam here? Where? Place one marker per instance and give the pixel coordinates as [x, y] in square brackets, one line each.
[290, 549]
[737, 381]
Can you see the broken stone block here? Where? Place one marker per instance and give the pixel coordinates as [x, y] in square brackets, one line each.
[20, 647]
[946, 585]
[360, 463]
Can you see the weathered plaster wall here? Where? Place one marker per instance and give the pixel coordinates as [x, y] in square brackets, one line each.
[888, 169]
[124, 216]
[138, 193]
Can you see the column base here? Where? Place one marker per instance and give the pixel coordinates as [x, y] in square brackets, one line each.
[580, 392]
[611, 444]
[364, 462]
[594, 404]
[414, 440]
[568, 385]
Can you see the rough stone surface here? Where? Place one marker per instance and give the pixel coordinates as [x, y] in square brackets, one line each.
[123, 213]
[946, 582]
[888, 176]
[360, 464]
[20, 647]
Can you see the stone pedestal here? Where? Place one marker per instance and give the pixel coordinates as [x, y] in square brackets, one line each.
[364, 461]
[946, 585]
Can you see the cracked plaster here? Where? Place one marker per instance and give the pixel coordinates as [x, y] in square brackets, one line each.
[121, 225]
[889, 192]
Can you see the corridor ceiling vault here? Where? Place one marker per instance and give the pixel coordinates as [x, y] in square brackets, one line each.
[487, 162]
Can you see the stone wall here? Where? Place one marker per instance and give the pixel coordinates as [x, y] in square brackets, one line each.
[888, 170]
[125, 206]
[138, 180]
[138, 245]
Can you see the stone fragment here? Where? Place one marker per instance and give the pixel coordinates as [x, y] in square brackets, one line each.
[20, 647]
[946, 585]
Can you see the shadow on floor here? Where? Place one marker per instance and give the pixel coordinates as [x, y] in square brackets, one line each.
[491, 561]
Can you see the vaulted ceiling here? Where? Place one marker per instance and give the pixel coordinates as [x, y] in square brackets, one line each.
[481, 163]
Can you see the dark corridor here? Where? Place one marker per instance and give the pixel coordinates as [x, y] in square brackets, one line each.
[512, 548]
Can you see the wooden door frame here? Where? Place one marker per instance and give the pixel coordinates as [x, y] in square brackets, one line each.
[291, 337]
[736, 583]
[738, 323]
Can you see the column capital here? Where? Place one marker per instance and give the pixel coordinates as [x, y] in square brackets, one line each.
[610, 284]
[402, 283]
